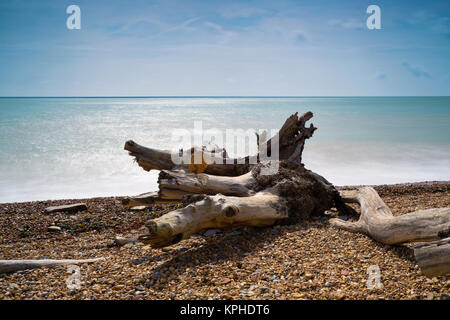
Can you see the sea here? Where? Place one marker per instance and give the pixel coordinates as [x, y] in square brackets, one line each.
[68, 148]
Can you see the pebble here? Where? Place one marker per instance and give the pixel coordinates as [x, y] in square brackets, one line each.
[308, 260]
[211, 232]
[54, 229]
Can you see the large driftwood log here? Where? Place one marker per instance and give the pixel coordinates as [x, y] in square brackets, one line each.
[7, 266]
[261, 209]
[220, 192]
[218, 195]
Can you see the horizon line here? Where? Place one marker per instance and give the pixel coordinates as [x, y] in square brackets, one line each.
[219, 96]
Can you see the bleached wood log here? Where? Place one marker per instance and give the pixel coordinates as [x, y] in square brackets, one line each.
[154, 159]
[207, 184]
[261, 209]
[174, 185]
[7, 266]
[149, 158]
[377, 221]
[290, 141]
[433, 258]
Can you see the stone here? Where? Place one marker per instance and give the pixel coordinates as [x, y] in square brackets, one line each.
[339, 295]
[298, 295]
[308, 276]
[53, 229]
[211, 232]
[138, 208]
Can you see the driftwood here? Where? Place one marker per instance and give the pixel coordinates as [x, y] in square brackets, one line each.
[67, 208]
[433, 258]
[7, 266]
[377, 222]
[290, 139]
[223, 192]
[220, 192]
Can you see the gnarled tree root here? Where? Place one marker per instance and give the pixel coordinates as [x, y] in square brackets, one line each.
[377, 222]
[249, 191]
[242, 192]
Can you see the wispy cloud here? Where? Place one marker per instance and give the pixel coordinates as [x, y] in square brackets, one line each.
[415, 70]
[431, 21]
[185, 26]
[219, 29]
[150, 47]
[347, 23]
[133, 25]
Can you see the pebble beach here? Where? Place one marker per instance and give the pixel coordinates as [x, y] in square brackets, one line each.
[307, 260]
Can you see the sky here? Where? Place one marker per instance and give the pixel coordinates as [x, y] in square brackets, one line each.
[224, 48]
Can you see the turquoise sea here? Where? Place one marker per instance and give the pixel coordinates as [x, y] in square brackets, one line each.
[54, 148]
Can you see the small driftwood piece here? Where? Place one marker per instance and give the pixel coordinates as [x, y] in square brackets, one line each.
[72, 208]
[7, 266]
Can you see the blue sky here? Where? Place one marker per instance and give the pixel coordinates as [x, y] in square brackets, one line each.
[276, 48]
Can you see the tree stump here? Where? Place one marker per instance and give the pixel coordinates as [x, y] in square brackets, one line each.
[224, 192]
[221, 192]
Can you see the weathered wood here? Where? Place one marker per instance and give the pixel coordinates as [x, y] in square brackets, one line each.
[219, 194]
[290, 140]
[7, 266]
[377, 221]
[207, 184]
[212, 212]
[433, 258]
[67, 208]
[294, 191]
[146, 199]
[250, 191]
